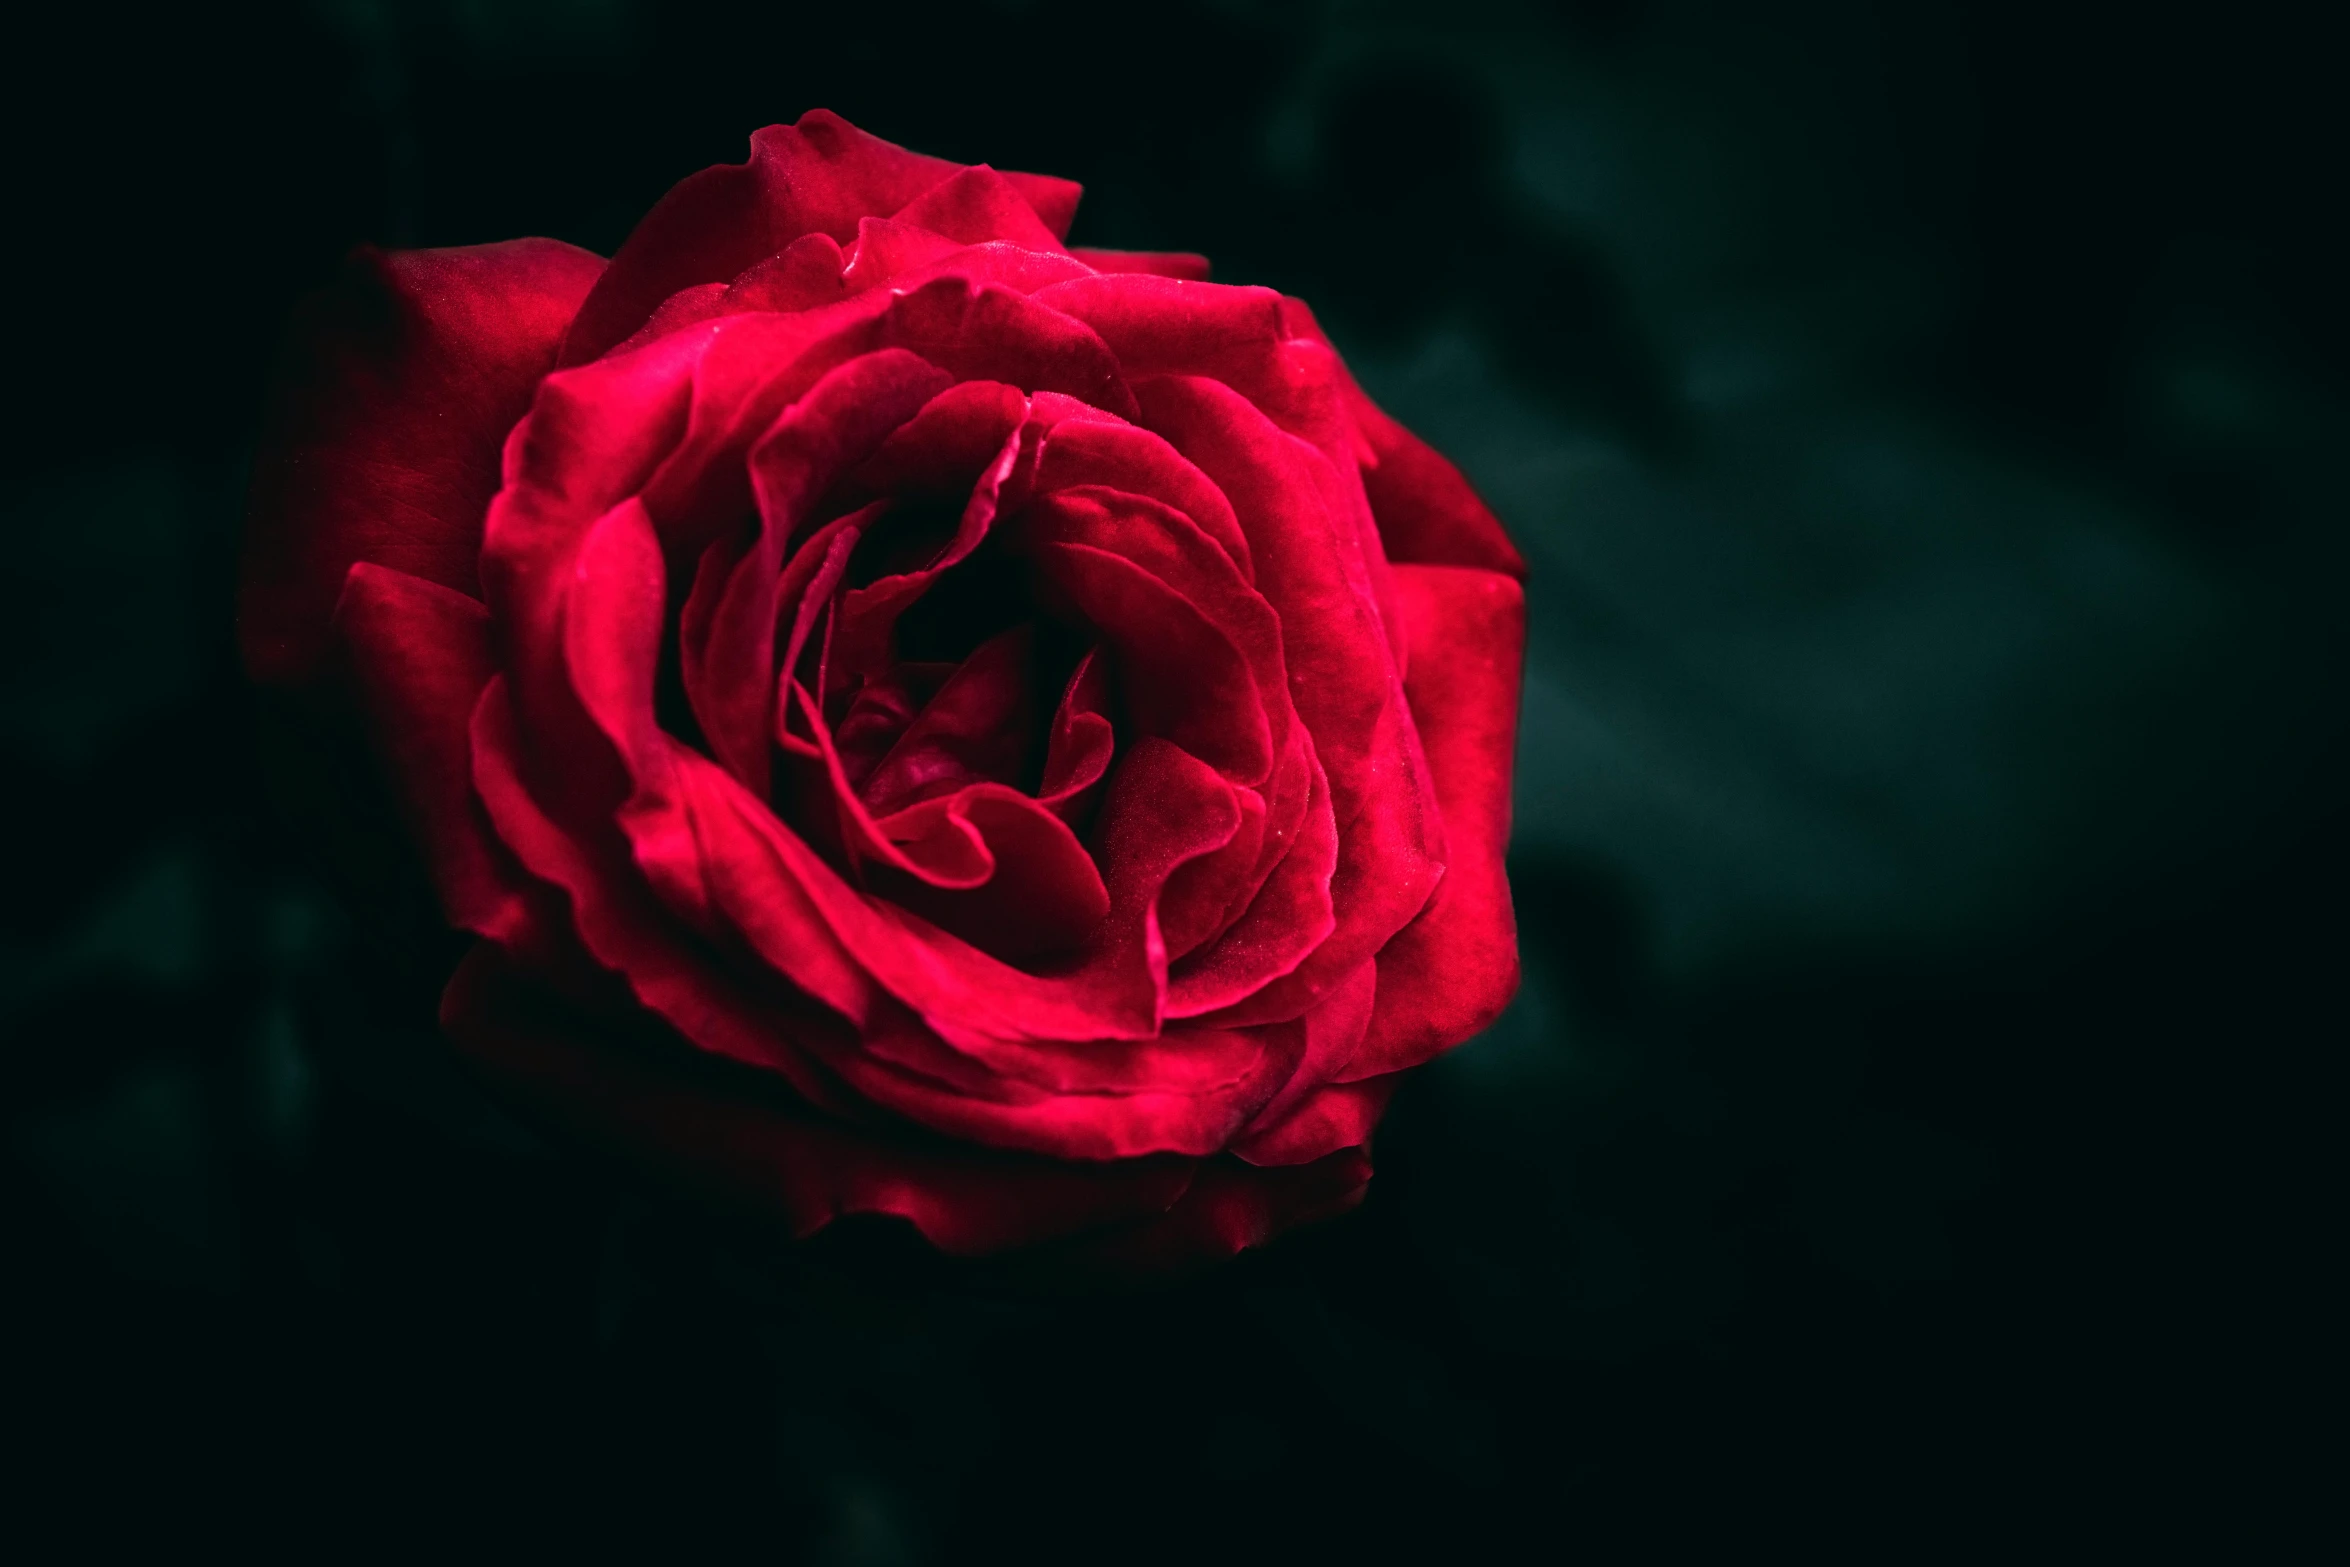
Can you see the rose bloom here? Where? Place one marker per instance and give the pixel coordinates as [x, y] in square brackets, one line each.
[918, 719]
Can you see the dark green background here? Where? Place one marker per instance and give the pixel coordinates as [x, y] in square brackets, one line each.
[1926, 424]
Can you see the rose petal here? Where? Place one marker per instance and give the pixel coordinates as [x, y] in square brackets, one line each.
[804, 275]
[1262, 346]
[998, 262]
[1162, 326]
[1161, 263]
[1180, 674]
[685, 308]
[942, 849]
[1449, 973]
[1126, 458]
[1187, 1091]
[979, 726]
[867, 619]
[793, 908]
[807, 274]
[721, 1006]
[945, 447]
[976, 206]
[1330, 1118]
[1077, 757]
[1332, 638]
[1390, 861]
[752, 371]
[1427, 512]
[887, 249]
[986, 332]
[1054, 199]
[1045, 897]
[1175, 550]
[818, 176]
[1334, 1031]
[1198, 895]
[1309, 1118]
[1268, 352]
[1291, 915]
[591, 440]
[399, 384]
[420, 656]
[1169, 679]
[1286, 802]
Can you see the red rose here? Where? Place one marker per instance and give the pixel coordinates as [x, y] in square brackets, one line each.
[921, 719]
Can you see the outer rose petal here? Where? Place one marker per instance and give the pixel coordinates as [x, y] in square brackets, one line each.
[1450, 972]
[400, 384]
[1182, 264]
[1427, 513]
[818, 176]
[1326, 1120]
[715, 1132]
[420, 656]
[978, 206]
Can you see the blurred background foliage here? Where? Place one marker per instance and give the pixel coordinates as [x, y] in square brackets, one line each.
[1926, 425]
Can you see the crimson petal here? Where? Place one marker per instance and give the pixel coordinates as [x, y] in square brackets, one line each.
[421, 656]
[1449, 973]
[818, 176]
[398, 384]
[975, 207]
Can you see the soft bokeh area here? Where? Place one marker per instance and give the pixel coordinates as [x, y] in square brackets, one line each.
[1927, 426]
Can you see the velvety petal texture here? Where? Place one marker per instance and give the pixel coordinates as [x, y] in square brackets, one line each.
[395, 394]
[921, 720]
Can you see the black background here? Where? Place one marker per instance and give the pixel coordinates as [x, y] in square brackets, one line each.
[1926, 425]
